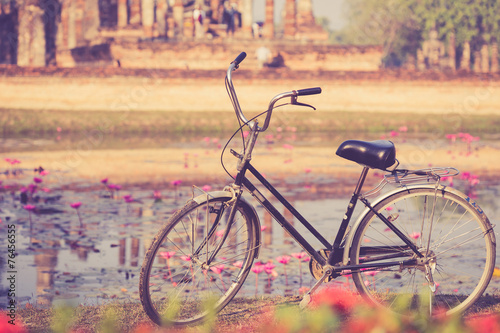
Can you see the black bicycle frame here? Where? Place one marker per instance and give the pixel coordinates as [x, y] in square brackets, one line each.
[336, 249]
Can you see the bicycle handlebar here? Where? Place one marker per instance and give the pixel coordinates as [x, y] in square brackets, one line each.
[239, 113]
[309, 91]
[239, 59]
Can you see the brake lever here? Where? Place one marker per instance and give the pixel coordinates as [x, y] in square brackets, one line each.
[295, 102]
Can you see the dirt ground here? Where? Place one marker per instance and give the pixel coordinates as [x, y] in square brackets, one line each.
[460, 97]
[176, 94]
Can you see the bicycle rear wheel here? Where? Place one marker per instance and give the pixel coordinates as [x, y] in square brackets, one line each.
[178, 284]
[461, 255]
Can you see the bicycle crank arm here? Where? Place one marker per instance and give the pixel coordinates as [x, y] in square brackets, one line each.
[328, 270]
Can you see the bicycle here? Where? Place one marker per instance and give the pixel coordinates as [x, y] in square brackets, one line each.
[421, 235]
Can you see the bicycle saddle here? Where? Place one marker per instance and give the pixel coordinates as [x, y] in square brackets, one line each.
[379, 154]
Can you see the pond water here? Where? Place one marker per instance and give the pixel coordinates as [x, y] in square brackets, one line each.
[93, 253]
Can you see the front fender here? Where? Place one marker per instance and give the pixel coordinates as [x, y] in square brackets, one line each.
[350, 237]
[202, 198]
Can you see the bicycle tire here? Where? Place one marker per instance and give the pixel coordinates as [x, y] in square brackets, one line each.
[176, 290]
[462, 242]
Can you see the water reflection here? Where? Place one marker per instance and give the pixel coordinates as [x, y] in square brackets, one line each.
[59, 262]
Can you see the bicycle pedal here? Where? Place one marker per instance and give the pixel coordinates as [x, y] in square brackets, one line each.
[305, 301]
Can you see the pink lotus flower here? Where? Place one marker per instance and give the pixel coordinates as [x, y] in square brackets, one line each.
[218, 269]
[176, 182]
[76, 205]
[299, 255]
[307, 170]
[104, 181]
[283, 259]
[403, 129]
[238, 264]
[186, 258]
[206, 188]
[370, 273]
[37, 180]
[268, 267]
[258, 268]
[157, 195]
[44, 173]
[167, 254]
[128, 198]
[415, 235]
[394, 134]
[29, 207]
[303, 290]
[451, 137]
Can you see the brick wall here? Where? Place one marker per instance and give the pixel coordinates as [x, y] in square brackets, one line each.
[210, 56]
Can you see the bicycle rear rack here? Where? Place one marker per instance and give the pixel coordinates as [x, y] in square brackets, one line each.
[403, 177]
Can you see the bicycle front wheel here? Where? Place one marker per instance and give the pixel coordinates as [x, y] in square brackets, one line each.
[179, 283]
[452, 233]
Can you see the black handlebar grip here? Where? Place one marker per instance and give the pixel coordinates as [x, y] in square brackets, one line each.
[240, 58]
[309, 91]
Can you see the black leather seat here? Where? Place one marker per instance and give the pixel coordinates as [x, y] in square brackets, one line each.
[379, 154]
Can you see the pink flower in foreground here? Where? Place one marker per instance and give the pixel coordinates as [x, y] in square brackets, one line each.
[29, 207]
[76, 205]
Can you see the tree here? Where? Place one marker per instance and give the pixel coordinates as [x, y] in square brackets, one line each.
[401, 26]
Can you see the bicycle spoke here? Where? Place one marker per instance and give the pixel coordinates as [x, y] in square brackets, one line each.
[456, 244]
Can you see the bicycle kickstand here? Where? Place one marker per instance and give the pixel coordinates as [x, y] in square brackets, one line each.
[307, 297]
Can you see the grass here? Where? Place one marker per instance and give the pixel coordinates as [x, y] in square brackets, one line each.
[35, 124]
[126, 317]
